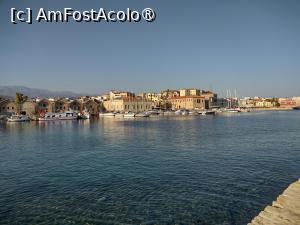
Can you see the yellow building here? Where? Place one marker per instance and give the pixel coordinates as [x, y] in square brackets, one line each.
[169, 94]
[128, 105]
[190, 92]
[188, 102]
[297, 100]
[195, 92]
[120, 94]
[151, 96]
[184, 92]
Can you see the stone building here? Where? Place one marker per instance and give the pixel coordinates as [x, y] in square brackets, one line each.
[211, 98]
[44, 106]
[287, 102]
[29, 108]
[128, 105]
[168, 94]
[297, 100]
[75, 105]
[188, 102]
[8, 106]
[11, 107]
[120, 94]
[151, 96]
[190, 92]
[92, 106]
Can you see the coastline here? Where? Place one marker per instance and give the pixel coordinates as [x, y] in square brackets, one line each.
[285, 210]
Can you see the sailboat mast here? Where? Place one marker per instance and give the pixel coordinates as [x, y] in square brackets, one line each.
[230, 99]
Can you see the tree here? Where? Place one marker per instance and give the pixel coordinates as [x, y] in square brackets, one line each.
[19, 98]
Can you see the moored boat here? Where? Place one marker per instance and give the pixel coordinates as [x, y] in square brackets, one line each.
[129, 115]
[84, 115]
[142, 114]
[169, 113]
[153, 112]
[193, 113]
[59, 116]
[18, 118]
[183, 112]
[108, 114]
[119, 115]
[231, 110]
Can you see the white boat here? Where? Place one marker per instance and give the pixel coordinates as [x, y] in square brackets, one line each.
[206, 112]
[143, 114]
[169, 113]
[178, 112]
[3, 117]
[59, 116]
[108, 114]
[18, 118]
[202, 113]
[152, 112]
[193, 113]
[129, 115]
[84, 115]
[119, 115]
[231, 110]
[185, 112]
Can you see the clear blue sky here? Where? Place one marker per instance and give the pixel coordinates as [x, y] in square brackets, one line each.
[250, 45]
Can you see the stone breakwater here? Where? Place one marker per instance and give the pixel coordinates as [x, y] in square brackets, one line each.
[284, 211]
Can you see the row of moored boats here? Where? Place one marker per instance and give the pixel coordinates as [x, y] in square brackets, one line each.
[182, 112]
[71, 115]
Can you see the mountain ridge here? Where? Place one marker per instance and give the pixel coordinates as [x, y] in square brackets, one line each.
[11, 91]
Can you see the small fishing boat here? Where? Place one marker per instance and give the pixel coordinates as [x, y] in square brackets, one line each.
[202, 112]
[178, 112]
[169, 113]
[129, 115]
[18, 118]
[231, 110]
[153, 112]
[84, 115]
[69, 115]
[142, 114]
[185, 113]
[296, 108]
[108, 114]
[193, 113]
[119, 115]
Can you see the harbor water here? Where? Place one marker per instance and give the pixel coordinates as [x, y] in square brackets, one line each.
[207, 170]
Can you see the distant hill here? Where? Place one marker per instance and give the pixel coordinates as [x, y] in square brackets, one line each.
[10, 91]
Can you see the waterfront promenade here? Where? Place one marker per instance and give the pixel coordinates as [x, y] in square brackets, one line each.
[284, 211]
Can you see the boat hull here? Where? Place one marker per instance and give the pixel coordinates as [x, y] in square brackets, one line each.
[18, 118]
[57, 119]
[106, 114]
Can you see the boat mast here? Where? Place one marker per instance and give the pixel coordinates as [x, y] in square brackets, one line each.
[230, 99]
[235, 96]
